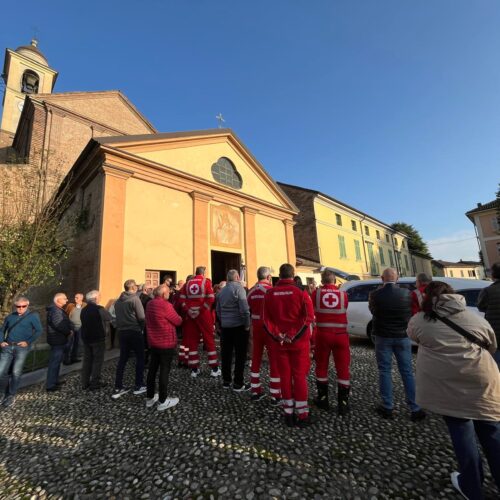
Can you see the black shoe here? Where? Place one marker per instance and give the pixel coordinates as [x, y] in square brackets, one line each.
[257, 397]
[66, 363]
[383, 411]
[226, 385]
[289, 420]
[96, 387]
[417, 415]
[53, 389]
[241, 388]
[60, 383]
[275, 402]
[76, 360]
[302, 423]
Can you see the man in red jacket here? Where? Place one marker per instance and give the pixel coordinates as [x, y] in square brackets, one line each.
[288, 314]
[330, 307]
[418, 295]
[197, 297]
[261, 339]
[161, 320]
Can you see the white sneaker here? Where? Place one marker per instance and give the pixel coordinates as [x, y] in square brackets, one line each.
[141, 390]
[455, 483]
[118, 393]
[168, 403]
[152, 401]
[195, 373]
[216, 373]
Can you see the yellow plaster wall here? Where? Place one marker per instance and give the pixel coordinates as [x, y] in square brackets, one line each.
[270, 243]
[158, 230]
[198, 160]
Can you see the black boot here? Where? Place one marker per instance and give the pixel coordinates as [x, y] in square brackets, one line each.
[322, 400]
[343, 399]
[289, 420]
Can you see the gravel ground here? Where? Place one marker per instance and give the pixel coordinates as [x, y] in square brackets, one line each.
[218, 444]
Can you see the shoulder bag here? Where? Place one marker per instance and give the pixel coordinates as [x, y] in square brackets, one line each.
[463, 332]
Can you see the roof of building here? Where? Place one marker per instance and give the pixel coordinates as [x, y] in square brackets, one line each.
[460, 263]
[33, 52]
[331, 198]
[483, 207]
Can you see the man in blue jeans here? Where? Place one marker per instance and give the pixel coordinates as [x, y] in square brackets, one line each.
[391, 309]
[19, 330]
[59, 330]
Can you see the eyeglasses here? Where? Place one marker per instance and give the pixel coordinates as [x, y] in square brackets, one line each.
[22, 307]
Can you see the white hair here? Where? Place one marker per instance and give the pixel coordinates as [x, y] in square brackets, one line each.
[57, 296]
[263, 272]
[21, 298]
[232, 275]
[92, 295]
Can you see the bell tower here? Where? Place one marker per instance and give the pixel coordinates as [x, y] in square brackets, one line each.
[25, 71]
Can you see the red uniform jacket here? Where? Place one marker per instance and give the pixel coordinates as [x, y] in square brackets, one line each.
[161, 320]
[255, 300]
[417, 299]
[288, 311]
[330, 307]
[197, 293]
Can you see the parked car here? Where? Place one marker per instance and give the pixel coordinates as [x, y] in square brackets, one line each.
[360, 317]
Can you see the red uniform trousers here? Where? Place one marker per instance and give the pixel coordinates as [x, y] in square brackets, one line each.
[328, 340]
[261, 339]
[293, 365]
[194, 328]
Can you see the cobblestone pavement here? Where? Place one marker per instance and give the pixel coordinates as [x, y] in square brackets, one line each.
[218, 444]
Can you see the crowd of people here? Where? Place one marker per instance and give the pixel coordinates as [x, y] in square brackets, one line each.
[457, 370]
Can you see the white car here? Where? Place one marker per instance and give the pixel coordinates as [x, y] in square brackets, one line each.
[360, 317]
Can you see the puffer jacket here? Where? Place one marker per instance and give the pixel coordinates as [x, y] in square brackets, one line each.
[455, 377]
[161, 320]
[59, 326]
[489, 303]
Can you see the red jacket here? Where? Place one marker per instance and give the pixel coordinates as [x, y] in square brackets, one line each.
[330, 307]
[417, 299]
[255, 300]
[197, 293]
[288, 311]
[161, 320]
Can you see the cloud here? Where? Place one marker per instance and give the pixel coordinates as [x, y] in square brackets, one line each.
[455, 246]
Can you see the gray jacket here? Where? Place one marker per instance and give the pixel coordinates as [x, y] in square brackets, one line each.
[232, 306]
[489, 303]
[129, 313]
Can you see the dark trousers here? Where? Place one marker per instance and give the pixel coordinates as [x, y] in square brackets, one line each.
[465, 434]
[71, 351]
[162, 359]
[55, 360]
[234, 340]
[93, 358]
[130, 341]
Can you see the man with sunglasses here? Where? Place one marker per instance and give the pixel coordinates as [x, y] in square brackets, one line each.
[19, 330]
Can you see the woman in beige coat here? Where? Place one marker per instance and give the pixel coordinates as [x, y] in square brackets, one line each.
[459, 380]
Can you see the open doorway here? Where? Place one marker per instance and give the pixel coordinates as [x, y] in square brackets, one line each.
[222, 262]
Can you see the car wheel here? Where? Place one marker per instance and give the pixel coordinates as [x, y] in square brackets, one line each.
[369, 332]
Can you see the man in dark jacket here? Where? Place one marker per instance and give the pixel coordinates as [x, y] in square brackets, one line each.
[94, 318]
[489, 303]
[129, 313]
[391, 309]
[19, 330]
[59, 329]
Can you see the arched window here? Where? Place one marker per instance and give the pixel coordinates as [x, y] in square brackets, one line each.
[225, 172]
[30, 82]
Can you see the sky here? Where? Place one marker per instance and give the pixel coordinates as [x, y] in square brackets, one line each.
[392, 106]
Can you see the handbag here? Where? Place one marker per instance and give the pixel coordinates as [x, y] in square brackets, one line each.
[464, 333]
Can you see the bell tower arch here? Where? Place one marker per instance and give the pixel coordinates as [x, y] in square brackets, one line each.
[25, 71]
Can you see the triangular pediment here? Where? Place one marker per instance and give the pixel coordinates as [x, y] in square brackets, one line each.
[109, 108]
[196, 152]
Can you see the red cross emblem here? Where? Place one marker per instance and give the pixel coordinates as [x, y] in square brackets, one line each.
[194, 288]
[330, 300]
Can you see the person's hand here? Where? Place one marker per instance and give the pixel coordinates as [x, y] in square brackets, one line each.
[193, 313]
[4, 344]
[23, 344]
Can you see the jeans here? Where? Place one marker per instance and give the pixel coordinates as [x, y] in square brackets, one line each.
[93, 358]
[496, 357]
[234, 339]
[55, 360]
[162, 359]
[465, 434]
[14, 356]
[72, 347]
[130, 340]
[401, 348]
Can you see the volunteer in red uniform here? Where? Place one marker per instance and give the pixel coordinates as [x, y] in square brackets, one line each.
[418, 295]
[330, 308]
[183, 352]
[261, 339]
[288, 314]
[197, 297]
